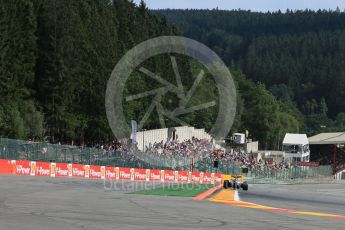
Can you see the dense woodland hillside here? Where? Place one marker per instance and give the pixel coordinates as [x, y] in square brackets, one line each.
[299, 56]
[57, 56]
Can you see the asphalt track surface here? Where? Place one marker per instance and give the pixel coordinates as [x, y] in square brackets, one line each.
[64, 203]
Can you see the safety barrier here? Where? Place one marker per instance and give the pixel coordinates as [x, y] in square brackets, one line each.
[45, 152]
[52, 169]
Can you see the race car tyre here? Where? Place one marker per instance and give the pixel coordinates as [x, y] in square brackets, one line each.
[226, 184]
[245, 186]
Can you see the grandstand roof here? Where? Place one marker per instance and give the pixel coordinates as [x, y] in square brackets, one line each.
[327, 139]
[295, 139]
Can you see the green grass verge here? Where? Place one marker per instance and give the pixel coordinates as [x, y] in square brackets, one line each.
[185, 190]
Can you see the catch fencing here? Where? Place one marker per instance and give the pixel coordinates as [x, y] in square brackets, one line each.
[292, 174]
[45, 152]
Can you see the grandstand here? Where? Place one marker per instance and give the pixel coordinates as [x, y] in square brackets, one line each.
[329, 148]
[147, 137]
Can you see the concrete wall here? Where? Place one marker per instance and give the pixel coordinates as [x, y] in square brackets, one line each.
[340, 175]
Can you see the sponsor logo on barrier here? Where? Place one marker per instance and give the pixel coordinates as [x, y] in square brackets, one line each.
[87, 171]
[22, 171]
[125, 174]
[207, 178]
[176, 176]
[189, 177]
[42, 169]
[95, 172]
[23, 167]
[155, 175]
[33, 168]
[132, 174]
[62, 169]
[169, 176]
[195, 177]
[201, 177]
[147, 174]
[139, 174]
[213, 178]
[117, 171]
[70, 171]
[162, 175]
[102, 172]
[183, 177]
[110, 173]
[52, 169]
[78, 170]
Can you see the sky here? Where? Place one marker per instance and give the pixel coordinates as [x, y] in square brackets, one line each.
[253, 5]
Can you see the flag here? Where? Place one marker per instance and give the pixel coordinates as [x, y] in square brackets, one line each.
[134, 131]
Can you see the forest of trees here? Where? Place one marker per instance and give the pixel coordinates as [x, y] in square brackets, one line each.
[298, 55]
[57, 56]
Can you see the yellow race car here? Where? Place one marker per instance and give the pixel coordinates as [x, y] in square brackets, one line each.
[235, 182]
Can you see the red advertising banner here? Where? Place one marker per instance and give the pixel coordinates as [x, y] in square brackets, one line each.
[42, 169]
[110, 173]
[5, 167]
[140, 174]
[183, 177]
[207, 178]
[125, 174]
[311, 164]
[155, 175]
[95, 172]
[169, 176]
[23, 167]
[195, 177]
[61, 169]
[78, 170]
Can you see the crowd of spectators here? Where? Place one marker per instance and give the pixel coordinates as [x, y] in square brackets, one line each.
[192, 149]
[201, 149]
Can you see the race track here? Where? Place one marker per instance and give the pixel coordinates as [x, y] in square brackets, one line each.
[66, 203]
